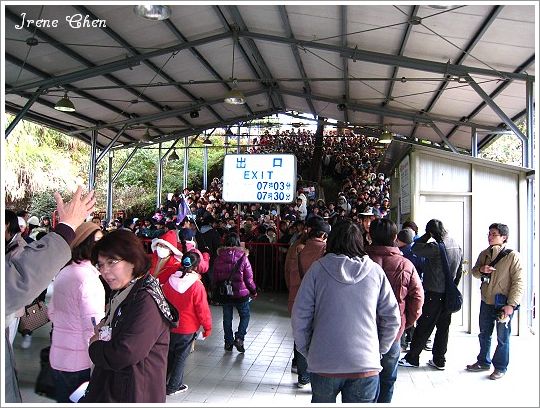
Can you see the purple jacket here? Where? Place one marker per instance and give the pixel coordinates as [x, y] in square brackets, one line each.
[242, 281]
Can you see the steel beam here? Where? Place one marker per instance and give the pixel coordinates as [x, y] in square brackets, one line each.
[159, 179]
[200, 129]
[110, 188]
[23, 111]
[287, 25]
[132, 50]
[233, 33]
[123, 166]
[201, 59]
[443, 138]
[496, 109]
[239, 21]
[186, 162]
[345, 61]
[476, 38]
[401, 51]
[377, 110]
[93, 163]
[77, 57]
[357, 54]
[78, 75]
[166, 114]
[529, 120]
[111, 144]
[474, 142]
[494, 94]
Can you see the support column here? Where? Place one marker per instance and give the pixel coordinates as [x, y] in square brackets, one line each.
[205, 168]
[93, 154]
[186, 162]
[238, 140]
[529, 118]
[110, 189]
[474, 142]
[159, 178]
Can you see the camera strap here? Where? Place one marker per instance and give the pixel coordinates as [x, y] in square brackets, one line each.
[500, 256]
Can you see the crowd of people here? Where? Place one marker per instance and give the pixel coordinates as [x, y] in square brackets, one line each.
[355, 280]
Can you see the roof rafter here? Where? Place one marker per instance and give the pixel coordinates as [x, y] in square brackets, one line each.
[259, 60]
[475, 39]
[388, 59]
[297, 58]
[201, 59]
[377, 110]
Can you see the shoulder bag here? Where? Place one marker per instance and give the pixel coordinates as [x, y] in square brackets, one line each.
[453, 299]
[224, 288]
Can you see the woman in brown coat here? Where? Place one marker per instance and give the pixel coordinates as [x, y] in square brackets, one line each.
[129, 349]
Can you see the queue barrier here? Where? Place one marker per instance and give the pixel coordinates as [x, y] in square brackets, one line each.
[267, 262]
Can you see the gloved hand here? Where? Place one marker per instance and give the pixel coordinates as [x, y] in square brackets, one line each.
[207, 333]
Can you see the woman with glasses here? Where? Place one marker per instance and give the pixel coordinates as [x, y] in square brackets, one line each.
[78, 297]
[130, 345]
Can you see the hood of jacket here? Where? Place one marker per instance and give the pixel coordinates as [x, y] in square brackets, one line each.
[234, 253]
[181, 285]
[344, 269]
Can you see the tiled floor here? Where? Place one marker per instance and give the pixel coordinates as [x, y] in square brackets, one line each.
[262, 375]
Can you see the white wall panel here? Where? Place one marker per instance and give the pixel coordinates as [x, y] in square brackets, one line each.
[438, 174]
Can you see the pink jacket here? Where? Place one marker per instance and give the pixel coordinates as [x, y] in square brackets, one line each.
[78, 295]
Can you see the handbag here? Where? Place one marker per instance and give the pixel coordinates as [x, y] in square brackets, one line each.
[224, 288]
[35, 316]
[453, 299]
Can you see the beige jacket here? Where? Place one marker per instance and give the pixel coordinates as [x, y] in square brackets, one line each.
[507, 278]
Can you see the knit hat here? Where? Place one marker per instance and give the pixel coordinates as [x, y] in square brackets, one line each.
[82, 232]
[321, 225]
[170, 240]
[33, 220]
[406, 236]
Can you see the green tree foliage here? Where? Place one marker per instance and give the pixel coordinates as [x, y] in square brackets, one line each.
[39, 159]
[506, 149]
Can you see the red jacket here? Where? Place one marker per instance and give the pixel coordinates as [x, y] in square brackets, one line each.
[404, 280]
[172, 265]
[205, 257]
[188, 296]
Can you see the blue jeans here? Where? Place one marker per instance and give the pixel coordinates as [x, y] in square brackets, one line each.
[388, 375]
[487, 320]
[179, 349]
[66, 382]
[326, 389]
[243, 313]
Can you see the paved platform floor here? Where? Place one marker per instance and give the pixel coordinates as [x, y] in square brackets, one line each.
[262, 375]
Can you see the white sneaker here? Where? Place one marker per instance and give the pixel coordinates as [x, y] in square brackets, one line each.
[26, 341]
[405, 363]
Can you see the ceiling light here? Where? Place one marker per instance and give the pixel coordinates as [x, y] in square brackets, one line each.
[341, 107]
[386, 137]
[441, 6]
[194, 114]
[64, 104]
[153, 12]
[235, 97]
[147, 137]
[174, 156]
[207, 142]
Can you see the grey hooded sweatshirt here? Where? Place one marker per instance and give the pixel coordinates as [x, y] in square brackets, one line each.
[345, 315]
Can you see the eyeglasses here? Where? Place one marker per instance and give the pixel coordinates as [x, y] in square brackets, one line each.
[493, 235]
[109, 263]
